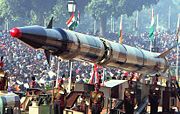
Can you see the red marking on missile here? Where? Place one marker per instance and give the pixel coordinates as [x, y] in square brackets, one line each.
[16, 32]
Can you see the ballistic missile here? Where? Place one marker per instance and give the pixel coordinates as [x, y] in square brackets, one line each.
[70, 45]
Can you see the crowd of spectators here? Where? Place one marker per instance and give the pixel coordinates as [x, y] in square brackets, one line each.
[23, 62]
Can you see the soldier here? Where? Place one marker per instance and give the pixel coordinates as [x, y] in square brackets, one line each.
[96, 100]
[3, 81]
[154, 97]
[60, 98]
[129, 99]
[1, 62]
[83, 105]
[33, 83]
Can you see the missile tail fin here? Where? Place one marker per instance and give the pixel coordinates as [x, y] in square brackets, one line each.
[47, 53]
[50, 23]
[163, 54]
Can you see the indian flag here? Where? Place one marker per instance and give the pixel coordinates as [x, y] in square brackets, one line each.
[151, 31]
[71, 22]
[77, 21]
[120, 31]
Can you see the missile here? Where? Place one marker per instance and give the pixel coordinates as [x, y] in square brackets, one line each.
[70, 45]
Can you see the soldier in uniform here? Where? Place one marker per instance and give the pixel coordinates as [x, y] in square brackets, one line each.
[3, 81]
[60, 98]
[96, 100]
[129, 99]
[3, 77]
[1, 62]
[154, 96]
[83, 105]
[33, 83]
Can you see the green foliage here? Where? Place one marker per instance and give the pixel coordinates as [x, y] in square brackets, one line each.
[29, 12]
[60, 13]
[20, 7]
[129, 7]
[4, 10]
[102, 9]
[81, 5]
[26, 11]
[99, 9]
[42, 11]
[33, 17]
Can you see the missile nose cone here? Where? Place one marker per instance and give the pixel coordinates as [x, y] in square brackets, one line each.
[16, 32]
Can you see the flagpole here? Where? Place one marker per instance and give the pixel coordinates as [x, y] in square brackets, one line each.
[7, 24]
[57, 78]
[157, 33]
[137, 19]
[103, 78]
[94, 27]
[70, 62]
[76, 20]
[111, 23]
[151, 46]
[177, 53]
[70, 75]
[169, 18]
[157, 23]
[120, 37]
[177, 65]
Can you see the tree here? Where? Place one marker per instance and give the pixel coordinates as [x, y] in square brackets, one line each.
[102, 9]
[43, 9]
[4, 10]
[60, 13]
[81, 5]
[33, 17]
[30, 11]
[99, 9]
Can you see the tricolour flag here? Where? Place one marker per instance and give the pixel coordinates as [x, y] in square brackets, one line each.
[151, 31]
[77, 21]
[71, 22]
[120, 31]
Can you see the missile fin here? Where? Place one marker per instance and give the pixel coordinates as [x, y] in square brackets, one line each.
[50, 23]
[163, 54]
[47, 53]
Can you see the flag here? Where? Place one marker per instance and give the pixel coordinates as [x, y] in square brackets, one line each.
[77, 21]
[120, 31]
[151, 31]
[71, 22]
